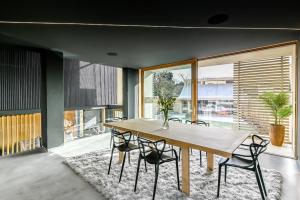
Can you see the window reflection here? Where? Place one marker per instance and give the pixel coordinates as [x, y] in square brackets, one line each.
[215, 95]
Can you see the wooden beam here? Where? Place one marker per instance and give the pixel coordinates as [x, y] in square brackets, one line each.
[182, 62]
[194, 91]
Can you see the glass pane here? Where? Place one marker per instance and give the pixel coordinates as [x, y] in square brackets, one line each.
[215, 95]
[174, 81]
[83, 123]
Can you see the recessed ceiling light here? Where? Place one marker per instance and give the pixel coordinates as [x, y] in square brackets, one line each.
[111, 54]
[218, 19]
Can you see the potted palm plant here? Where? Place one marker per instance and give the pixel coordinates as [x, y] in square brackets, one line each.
[166, 103]
[279, 104]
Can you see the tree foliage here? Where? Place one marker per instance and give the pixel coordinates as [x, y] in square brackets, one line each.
[164, 85]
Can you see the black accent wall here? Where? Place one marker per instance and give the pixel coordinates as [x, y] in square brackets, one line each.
[20, 79]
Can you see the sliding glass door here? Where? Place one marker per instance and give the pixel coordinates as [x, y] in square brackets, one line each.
[215, 95]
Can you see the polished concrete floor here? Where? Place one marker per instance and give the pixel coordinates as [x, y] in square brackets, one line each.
[43, 176]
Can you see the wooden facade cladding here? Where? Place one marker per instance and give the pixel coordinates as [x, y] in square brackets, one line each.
[19, 133]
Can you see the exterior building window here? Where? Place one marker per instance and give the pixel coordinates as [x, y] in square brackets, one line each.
[215, 95]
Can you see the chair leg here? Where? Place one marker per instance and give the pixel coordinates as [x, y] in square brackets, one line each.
[259, 184]
[225, 175]
[191, 151]
[123, 163]
[177, 173]
[111, 140]
[111, 157]
[200, 158]
[262, 180]
[145, 165]
[128, 157]
[155, 182]
[137, 173]
[172, 150]
[219, 180]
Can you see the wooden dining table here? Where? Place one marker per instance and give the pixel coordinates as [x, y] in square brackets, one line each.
[214, 141]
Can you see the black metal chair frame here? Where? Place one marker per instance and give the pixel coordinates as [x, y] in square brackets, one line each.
[197, 122]
[174, 119]
[251, 163]
[114, 120]
[122, 142]
[153, 152]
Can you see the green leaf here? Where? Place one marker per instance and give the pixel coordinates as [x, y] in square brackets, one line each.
[278, 103]
[285, 112]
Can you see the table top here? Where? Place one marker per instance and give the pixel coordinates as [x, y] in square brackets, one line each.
[218, 141]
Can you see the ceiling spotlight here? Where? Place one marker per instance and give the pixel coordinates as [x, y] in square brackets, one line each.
[218, 19]
[111, 54]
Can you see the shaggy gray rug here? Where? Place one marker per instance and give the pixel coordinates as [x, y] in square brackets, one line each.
[241, 184]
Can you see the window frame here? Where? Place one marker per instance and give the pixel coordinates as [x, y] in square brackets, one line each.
[194, 71]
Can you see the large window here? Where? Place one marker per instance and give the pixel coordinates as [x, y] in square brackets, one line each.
[174, 81]
[215, 95]
[225, 90]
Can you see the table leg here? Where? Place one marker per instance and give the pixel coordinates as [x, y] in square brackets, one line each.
[210, 162]
[121, 154]
[186, 170]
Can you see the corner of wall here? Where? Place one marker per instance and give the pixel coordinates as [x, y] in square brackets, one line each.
[298, 100]
[130, 83]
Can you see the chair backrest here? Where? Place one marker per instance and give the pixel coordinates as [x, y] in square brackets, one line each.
[198, 122]
[174, 119]
[258, 146]
[120, 138]
[151, 147]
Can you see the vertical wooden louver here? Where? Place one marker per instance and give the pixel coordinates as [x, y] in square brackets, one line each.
[251, 79]
[19, 133]
[20, 92]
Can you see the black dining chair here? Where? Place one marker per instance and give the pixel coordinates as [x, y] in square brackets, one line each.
[247, 162]
[115, 119]
[122, 142]
[153, 152]
[174, 119]
[200, 123]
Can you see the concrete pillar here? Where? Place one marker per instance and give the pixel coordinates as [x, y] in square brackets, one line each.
[130, 93]
[52, 99]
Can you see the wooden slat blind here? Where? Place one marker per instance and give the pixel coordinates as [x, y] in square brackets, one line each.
[19, 133]
[251, 79]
